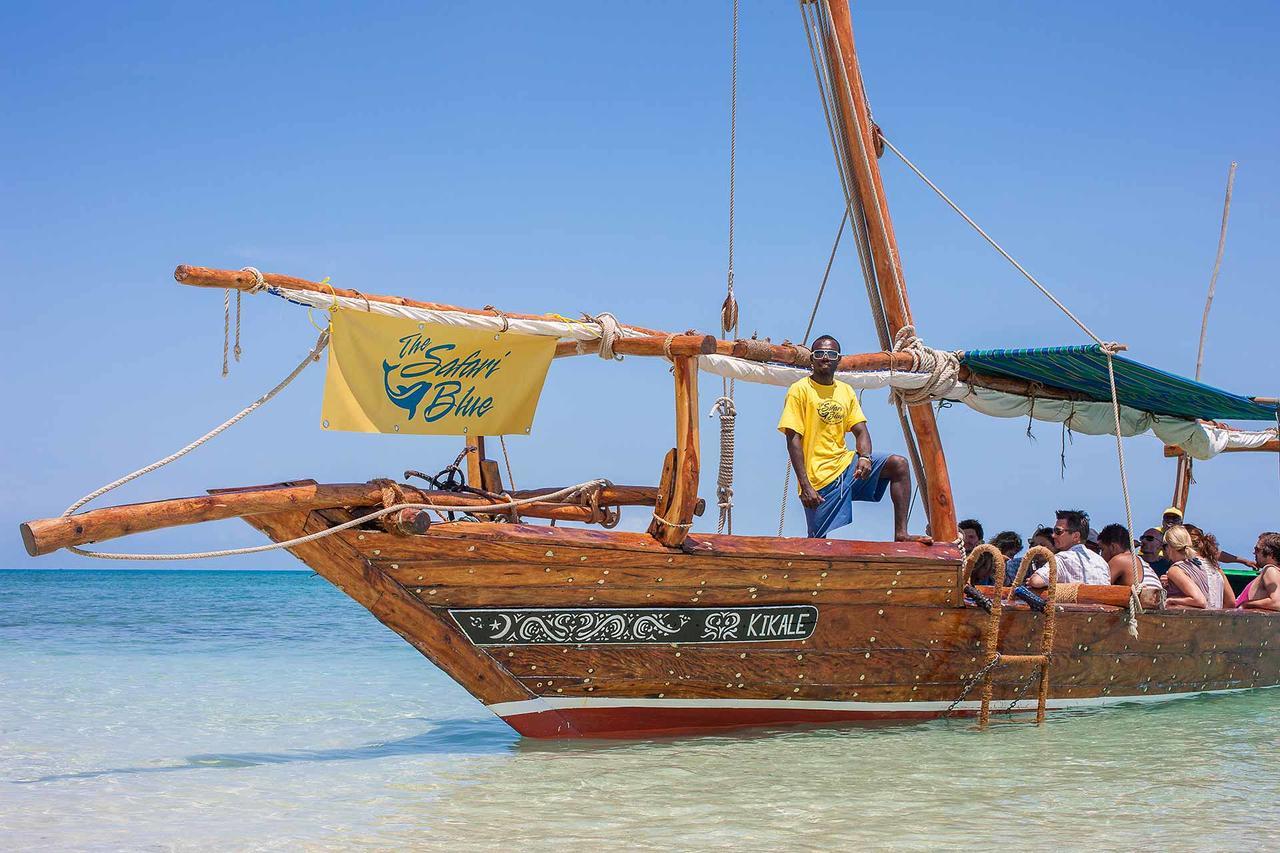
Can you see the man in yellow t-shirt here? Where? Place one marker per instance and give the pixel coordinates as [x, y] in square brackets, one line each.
[818, 412]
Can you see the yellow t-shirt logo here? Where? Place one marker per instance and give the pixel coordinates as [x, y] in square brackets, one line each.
[831, 412]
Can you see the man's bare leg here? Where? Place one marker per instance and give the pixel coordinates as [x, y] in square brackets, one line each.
[898, 473]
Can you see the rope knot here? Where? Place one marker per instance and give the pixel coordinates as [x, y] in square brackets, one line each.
[259, 283]
[610, 331]
[506, 323]
[942, 366]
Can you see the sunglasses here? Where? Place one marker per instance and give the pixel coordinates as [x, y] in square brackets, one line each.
[1148, 538]
[1058, 531]
[826, 354]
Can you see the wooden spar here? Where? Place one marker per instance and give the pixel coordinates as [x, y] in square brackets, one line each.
[652, 343]
[679, 489]
[1173, 451]
[240, 280]
[861, 145]
[1182, 482]
[1020, 387]
[690, 344]
[47, 535]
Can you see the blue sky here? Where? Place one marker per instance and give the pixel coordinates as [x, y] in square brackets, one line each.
[574, 158]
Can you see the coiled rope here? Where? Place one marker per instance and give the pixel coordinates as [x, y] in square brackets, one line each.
[728, 413]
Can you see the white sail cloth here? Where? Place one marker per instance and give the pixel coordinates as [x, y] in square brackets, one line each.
[1201, 441]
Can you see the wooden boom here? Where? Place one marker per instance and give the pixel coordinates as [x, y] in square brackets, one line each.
[1173, 451]
[46, 535]
[652, 343]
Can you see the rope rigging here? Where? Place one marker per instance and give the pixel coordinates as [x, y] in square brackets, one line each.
[1109, 349]
[724, 406]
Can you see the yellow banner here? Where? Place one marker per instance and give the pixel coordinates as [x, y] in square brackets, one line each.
[391, 374]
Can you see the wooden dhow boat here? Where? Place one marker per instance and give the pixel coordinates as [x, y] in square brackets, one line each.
[581, 632]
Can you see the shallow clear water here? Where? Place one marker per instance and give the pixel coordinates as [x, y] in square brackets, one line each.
[200, 710]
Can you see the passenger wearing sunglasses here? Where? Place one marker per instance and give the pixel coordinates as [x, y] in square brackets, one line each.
[1076, 563]
[1149, 545]
[817, 414]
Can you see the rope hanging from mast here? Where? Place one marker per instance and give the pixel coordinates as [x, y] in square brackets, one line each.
[724, 406]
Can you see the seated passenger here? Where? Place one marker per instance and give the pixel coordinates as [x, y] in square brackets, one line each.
[1091, 541]
[971, 533]
[1263, 592]
[1189, 582]
[1076, 563]
[1206, 545]
[1116, 550]
[1150, 545]
[984, 570]
[1042, 538]
[1009, 543]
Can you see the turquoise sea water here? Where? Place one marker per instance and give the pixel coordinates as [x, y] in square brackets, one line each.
[243, 710]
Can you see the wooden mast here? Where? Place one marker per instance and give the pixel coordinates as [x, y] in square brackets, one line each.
[860, 145]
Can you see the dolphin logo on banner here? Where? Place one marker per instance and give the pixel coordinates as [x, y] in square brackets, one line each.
[406, 397]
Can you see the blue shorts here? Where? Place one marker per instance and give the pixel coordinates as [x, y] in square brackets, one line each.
[836, 509]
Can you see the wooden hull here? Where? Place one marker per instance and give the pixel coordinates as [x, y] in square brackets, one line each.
[581, 633]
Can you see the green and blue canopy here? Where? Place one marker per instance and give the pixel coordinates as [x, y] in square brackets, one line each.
[1084, 369]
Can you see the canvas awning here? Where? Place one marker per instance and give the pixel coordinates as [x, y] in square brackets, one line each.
[1147, 389]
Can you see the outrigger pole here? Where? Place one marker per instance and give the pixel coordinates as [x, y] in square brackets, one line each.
[860, 147]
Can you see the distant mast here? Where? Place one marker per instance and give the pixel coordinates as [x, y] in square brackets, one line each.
[860, 145]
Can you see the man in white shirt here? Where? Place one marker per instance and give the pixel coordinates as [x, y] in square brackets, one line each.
[1076, 563]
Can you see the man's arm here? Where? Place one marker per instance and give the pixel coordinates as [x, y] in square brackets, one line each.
[1228, 557]
[862, 442]
[795, 449]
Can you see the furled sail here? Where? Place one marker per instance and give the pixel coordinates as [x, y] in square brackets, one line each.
[1089, 415]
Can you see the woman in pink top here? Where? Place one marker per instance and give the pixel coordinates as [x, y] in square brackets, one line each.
[1263, 592]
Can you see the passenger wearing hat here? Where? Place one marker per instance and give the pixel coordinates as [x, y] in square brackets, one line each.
[1173, 516]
